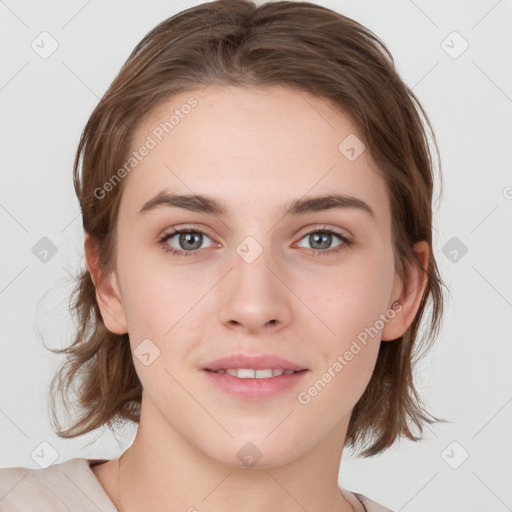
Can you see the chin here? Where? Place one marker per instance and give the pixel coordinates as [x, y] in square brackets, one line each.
[242, 453]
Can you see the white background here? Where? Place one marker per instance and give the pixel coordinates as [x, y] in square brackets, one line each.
[466, 379]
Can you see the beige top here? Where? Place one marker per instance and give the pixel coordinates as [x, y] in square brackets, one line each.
[72, 486]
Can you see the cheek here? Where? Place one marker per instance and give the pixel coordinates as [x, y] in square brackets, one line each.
[353, 298]
[351, 305]
[156, 298]
[339, 380]
[345, 359]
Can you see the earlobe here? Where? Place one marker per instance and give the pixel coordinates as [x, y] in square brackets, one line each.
[409, 297]
[108, 294]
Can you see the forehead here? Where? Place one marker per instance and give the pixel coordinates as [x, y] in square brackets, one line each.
[251, 147]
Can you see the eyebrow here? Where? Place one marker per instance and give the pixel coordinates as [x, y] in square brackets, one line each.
[208, 205]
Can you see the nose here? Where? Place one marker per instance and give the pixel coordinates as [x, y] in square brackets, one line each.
[254, 296]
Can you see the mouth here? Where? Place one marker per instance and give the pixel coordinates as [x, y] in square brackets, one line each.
[251, 385]
[246, 376]
[250, 373]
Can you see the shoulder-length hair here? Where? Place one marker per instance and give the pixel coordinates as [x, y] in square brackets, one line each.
[237, 42]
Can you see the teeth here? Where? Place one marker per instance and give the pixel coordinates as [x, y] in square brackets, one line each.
[247, 373]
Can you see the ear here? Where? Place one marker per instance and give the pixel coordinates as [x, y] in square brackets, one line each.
[409, 297]
[108, 295]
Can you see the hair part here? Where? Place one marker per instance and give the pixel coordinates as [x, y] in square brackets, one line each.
[238, 43]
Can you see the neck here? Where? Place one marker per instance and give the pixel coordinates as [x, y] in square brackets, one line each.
[175, 475]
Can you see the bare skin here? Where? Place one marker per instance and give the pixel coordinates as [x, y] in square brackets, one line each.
[254, 150]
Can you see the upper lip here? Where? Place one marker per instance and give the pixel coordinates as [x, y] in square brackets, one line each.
[254, 362]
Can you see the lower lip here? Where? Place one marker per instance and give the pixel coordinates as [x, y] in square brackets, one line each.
[255, 389]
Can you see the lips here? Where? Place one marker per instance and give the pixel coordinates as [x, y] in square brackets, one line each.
[246, 385]
[254, 362]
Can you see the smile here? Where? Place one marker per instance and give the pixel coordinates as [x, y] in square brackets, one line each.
[248, 373]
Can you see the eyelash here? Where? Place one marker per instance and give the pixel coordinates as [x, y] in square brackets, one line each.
[346, 242]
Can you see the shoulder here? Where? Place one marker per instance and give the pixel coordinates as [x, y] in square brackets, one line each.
[70, 485]
[370, 505]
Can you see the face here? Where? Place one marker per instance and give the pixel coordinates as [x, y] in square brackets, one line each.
[260, 278]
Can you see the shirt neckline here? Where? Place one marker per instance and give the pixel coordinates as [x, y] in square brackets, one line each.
[97, 462]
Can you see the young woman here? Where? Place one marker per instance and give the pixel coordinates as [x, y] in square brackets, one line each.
[256, 191]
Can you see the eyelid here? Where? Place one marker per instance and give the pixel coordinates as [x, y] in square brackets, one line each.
[326, 227]
[185, 227]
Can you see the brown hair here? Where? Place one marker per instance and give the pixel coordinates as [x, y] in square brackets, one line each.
[237, 42]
